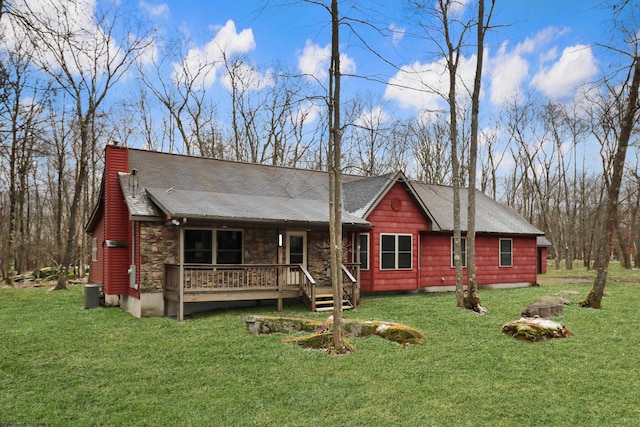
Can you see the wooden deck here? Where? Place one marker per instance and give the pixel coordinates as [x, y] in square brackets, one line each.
[213, 283]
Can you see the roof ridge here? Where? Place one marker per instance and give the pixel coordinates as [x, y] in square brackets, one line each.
[243, 162]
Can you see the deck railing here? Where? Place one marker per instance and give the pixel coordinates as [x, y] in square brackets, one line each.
[241, 276]
[278, 278]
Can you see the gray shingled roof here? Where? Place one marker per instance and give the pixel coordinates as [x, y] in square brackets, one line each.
[491, 216]
[360, 193]
[194, 187]
[137, 200]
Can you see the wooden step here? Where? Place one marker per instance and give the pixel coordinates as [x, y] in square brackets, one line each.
[327, 305]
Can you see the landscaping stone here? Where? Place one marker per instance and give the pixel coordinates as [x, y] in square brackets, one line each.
[553, 299]
[400, 334]
[543, 309]
[535, 329]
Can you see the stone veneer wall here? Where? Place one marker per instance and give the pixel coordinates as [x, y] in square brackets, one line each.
[260, 246]
[319, 256]
[158, 246]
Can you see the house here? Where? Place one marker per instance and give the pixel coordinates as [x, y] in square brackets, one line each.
[172, 234]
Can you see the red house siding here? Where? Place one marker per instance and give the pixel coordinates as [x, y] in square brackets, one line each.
[117, 224]
[542, 260]
[437, 269]
[397, 213]
[96, 275]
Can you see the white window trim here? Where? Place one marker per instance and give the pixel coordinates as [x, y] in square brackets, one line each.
[500, 254]
[396, 235]
[214, 242]
[451, 254]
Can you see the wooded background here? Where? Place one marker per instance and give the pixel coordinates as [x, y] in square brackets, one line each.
[58, 111]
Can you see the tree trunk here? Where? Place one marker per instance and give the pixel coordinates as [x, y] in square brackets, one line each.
[472, 298]
[335, 181]
[594, 298]
[625, 256]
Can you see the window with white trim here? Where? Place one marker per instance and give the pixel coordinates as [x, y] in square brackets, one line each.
[396, 251]
[463, 252]
[506, 253]
[364, 251]
[94, 249]
[203, 246]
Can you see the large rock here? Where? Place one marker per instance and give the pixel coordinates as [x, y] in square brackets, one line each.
[395, 332]
[546, 306]
[544, 310]
[535, 329]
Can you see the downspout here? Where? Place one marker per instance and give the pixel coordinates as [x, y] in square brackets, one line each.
[132, 269]
[133, 276]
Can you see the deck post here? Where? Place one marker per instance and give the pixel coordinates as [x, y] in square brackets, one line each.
[280, 273]
[180, 314]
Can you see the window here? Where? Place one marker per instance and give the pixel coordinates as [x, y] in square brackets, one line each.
[94, 250]
[364, 251]
[506, 253]
[229, 247]
[199, 247]
[395, 251]
[463, 252]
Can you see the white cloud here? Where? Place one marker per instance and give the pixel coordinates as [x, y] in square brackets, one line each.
[250, 78]
[458, 6]
[82, 44]
[508, 71]
[540, 39]
[575, 66]
[397, 33]
[424, 86]
[314, 61]
[155, 10]
[202, 64]
[373, 118]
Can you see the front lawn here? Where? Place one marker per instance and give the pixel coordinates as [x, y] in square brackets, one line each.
[60, 365]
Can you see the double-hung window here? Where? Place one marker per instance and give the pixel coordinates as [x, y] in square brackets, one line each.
[213, 246]
[506, 253]
[396, 251]
[364, 251]
[463, 252]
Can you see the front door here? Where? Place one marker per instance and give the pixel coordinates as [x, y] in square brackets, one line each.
[296, 253]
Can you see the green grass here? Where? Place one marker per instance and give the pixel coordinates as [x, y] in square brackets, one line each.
[60, 365]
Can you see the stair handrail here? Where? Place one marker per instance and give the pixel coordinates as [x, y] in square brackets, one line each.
[308, 285]
[349, 288]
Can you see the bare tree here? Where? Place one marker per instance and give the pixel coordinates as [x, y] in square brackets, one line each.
[335, 178]
[625, 97]
[21, 108]
[85, 62]
[472, 298]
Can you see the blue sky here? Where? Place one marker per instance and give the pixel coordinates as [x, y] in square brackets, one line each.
[542, 49]
[541, 46]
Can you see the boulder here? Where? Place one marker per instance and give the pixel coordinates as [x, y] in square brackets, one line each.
[549, 299]
[543, 309]
[535, 329]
